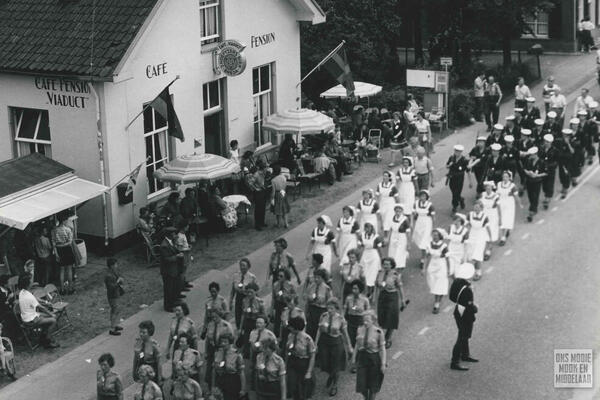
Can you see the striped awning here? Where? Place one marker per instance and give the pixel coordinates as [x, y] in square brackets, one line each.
[298, 121]
[361, 89]
[195, 168]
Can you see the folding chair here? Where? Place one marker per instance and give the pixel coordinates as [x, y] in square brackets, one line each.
[375, 137]
[58, 305]
[309, 177]
[152, 250]
[31, 333]
[437, 117]
[12, 283]
[293, 186]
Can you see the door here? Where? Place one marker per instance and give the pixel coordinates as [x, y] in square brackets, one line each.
[214, 134]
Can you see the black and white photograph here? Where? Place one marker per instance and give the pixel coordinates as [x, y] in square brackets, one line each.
[299, 199]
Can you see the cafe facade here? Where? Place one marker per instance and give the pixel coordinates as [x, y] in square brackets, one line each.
[227, 63]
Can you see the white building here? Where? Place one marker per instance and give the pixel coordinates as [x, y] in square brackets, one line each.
[63, 66]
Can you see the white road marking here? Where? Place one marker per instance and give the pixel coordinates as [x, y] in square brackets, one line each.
[448, 308]
[525, 236]
[554, 208]
[489, 270]
[422, 331]
[397, 355]
[508, 252]
[581, 183]
[541, 221]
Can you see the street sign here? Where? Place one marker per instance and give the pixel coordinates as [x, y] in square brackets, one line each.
[420, 78]
[441, 82]
[446, 61]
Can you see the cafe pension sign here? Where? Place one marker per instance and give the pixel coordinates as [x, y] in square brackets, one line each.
[64, 92]
[229, 58]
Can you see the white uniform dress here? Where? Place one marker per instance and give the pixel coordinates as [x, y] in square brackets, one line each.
[323, 240]
[388, 194]
[347, 239]
[456, 245]
[398, 240]
[370, 259]
[406, 188]
[368, 213]
[478, 236]
[507, 204]
[437, 271]
[490, 209]
[424, 224]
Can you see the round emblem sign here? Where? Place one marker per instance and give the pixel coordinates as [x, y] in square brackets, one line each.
[229, 58]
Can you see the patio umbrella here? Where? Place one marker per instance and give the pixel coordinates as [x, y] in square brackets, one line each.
[361, 89]
[195, 168]
[299, 121]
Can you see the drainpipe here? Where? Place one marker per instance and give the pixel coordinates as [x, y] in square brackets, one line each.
[101, 163]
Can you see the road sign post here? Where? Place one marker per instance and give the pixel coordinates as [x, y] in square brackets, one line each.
[447, 62]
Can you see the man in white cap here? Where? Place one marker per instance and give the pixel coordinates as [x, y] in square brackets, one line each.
[464, 314]
[531, 114]
[523, 146]
[537, 131]
[457, 166]
[565, 161]
[477, 157]
[577, 141]
[494, 164]
[549, 156]
[510, 154]
[583, 101]
[511, 128]
[589, 133]
[558, 104]
[496, 136]
[535, 171]
[549, 89]
[519, 113]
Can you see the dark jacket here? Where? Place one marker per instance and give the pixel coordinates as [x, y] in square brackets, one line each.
[168, 259]
[112, 287]
[465, 299]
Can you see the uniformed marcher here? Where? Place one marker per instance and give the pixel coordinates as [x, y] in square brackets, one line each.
[390, 298]
[283, 292]
[537, 132]
[211, 333]
[464, 315]
[253, 307]
[565, 160]
[355, 307]
[549, 155]
[519, 113]
[589, 131]
[524, 145]
[535, 170]
[551, 125]
[510, 155]
[577, 143]
[494, 164]
[290, 311]
[214, 302]
[254, 346]
[316, 296]
[300, 360]
[270, 372]
[229, 370]
[188, 357]
[181, 324]
[370, 358]
[238, 289]
[476, 164]
[457, 166]
[351, 271]
[511, 127]
[496, 136]
[145, 350]
[531, 113]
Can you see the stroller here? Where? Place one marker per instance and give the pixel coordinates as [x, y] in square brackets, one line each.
[7, 357]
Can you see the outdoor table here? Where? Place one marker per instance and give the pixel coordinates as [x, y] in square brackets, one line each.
[238, 200]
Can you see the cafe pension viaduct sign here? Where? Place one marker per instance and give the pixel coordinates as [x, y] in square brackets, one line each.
[229, 59]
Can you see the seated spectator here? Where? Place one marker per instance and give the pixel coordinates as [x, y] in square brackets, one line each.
[333, 150]
[322, 162]
[234, 152]
[220, 214]
[35, 314]
[171, 208]
[287, 152]
[7, 298]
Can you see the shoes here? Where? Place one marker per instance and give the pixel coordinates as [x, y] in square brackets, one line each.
[388, 344]
[181, 296]
[353, 370]
[470, 359]
[546, 204]
[436, 310]
[458, 367]
[118, 328]
[333, 391]
[188, 285]
[502, 242]
[529, 218]
[487, 255]
[477, 276]
[462, 203]
[114, 332]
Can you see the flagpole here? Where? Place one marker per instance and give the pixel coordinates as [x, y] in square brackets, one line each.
[148, 105]
[129, 174]
[322, 62]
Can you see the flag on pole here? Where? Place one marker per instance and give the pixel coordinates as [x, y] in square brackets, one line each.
[337, 65]
[163, 105]
[132, 179]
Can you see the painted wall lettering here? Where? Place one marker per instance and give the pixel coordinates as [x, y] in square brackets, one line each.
[64, 92]
[257, 41]
[153, 71]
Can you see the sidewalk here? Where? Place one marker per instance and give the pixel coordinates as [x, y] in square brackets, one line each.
[73, 375]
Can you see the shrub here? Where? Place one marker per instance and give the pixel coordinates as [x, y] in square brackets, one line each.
[507, 78]
[462, 106]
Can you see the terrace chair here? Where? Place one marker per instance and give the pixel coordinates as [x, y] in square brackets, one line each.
[375, 137]
[32, 334]
[58, 305]
[294, 186]
[152, 249]
[310, 177]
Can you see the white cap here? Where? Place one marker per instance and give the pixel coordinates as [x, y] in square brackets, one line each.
[464, 271]
[499, 126]
[496, 147]
[593, 104]
[518, 109]
[459, 147]
[582, 112]
[539, 121]
[532, 150]
[481, 138]
[526, 131]
[549, 138]
[530, 99]
[509, 138]
[551, 114]
[442, 232]
[510, 118]
[574, 121]
[489, 183]
[567, 131]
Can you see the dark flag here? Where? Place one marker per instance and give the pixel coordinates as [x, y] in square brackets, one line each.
[163, 105]
[337, 65]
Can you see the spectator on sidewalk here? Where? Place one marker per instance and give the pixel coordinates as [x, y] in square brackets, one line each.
[558, 104]
[35, 314]
[478, 93]
[549, 89]
[114, 289]
[42, 247]
[583, 102]
[170, 258]
[493, 99]
[424, 131]
[109, 385]
[522, 92]
[424, 170]
[258, 187]
[586, 40]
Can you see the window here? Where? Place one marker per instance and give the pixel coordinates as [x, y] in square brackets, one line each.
[32, 131]
[262, 94]
[209, 21]
[215, 137]
[158, 147]
[538, 23]
[211, 95]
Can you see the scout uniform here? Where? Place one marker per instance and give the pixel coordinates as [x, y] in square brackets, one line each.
[550, 158]
[350, 273]
[281, 261]
[316, 296]
[228, 367]
[179, 326]
[388, 283]
[457, 166]
[331, 354]
[355, 308]
[238, 290]
[269, 371]
[146, 353]
[190, 359]
[298, 352]
[215, 304]
[109, 387]
[370, 342]
[286, 315]
[212, 333]
[283, 293]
